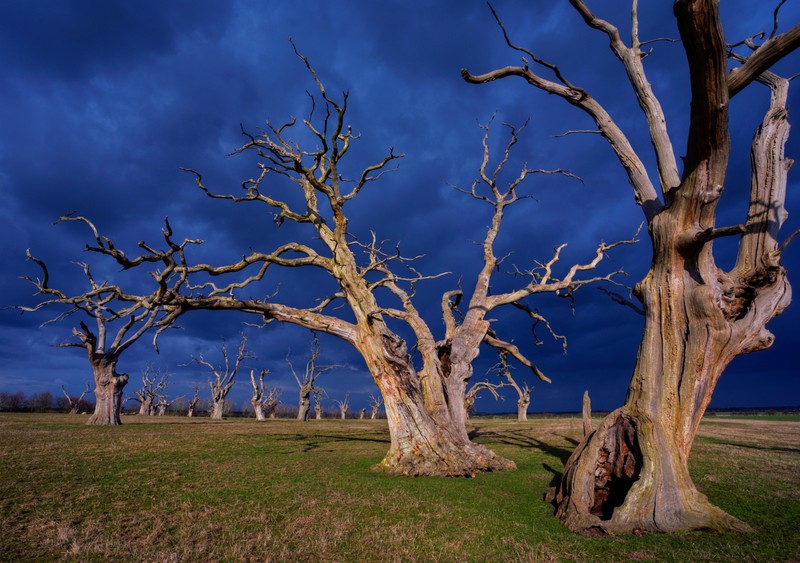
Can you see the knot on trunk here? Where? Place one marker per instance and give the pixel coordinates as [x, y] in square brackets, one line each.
[738, 296]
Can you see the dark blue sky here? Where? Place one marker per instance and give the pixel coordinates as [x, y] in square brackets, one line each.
[103, 102]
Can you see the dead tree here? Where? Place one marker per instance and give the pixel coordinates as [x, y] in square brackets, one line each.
[192, 404]
[73, 404]
[523, 393]
[153, 381]
[318, 396]
[344, 406]
[375, 406]
[264, 399]
[120, 318]
[586, 414]
[271, 402]
[425, 405]
[472, 394]
[632, 472]
[362, 413]
[308, 380]
[162, 404]
[224, 376]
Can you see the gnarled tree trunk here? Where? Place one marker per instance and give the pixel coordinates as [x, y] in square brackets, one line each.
[305, 401]
[425, 438]
[108, 392]
[258, 408]
[632, 473]
[217, 408]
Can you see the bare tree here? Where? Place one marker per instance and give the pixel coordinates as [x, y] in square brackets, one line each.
[472, 394]
[114, 311]
[271, 402]
[318, 396]
[223, 376]
[153, 381]
[362, 413]
[162, 404]
[632, 472]
[264, 399]
[308, 380]
[192, 404]
[523, 393]
[344, 406]
[375, 406]
[425, 406]
[73, 404]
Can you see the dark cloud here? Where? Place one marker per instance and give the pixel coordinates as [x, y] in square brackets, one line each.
[105, 101]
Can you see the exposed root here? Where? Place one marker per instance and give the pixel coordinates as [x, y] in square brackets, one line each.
[465, 461]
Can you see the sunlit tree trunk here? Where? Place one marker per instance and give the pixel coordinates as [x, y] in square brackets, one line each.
[108, 392]
[631, 473]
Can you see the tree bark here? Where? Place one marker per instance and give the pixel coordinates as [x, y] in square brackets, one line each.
[108, 392]
[258, 408]
[217, 409]
[305, 402]
[425, 438]
[632, 473]
[522, 407]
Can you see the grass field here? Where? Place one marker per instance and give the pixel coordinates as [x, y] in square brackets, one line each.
[178, 489]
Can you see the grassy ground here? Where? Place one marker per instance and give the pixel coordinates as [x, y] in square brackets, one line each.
[170, 489]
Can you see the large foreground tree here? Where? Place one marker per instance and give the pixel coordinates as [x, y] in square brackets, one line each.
[631, 473]
[423, 397]
[119, 315]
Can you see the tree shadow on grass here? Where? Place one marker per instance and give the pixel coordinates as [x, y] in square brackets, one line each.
[316, 442]
[520, 439]
[766, 448]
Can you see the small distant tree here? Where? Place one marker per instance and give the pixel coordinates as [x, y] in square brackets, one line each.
[361, 414]
[153, 381]
[344, 406]
[319, 394]
[192, 404]
[472, 394]
[264, 399]
[375, 405]
[73, 404]
[308, 380]
[162, 404]
[223, 376]
[523, 393]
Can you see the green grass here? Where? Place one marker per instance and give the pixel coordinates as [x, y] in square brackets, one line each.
[170, 489]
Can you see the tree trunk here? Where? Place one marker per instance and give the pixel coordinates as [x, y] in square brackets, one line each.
[522, 407]
[258, 408]
[318, 411]
[632, 472]
[190, 411]
[145, 408]
[108, 393]
[586, 414]
[305, 405]
[425, 439]
[217, 409]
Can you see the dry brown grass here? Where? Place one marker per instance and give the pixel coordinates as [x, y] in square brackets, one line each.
[175, 489]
